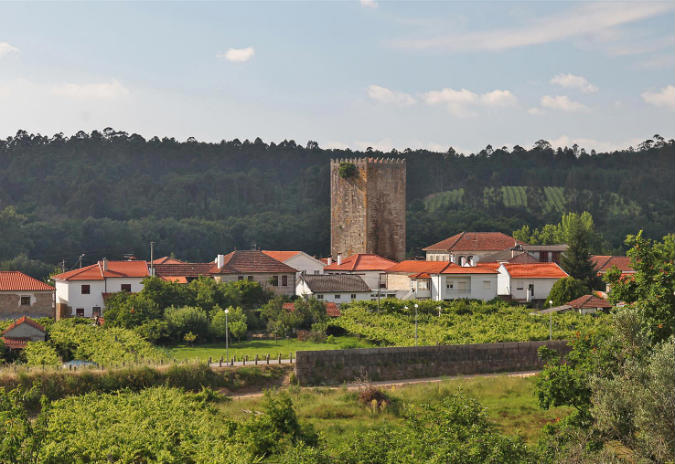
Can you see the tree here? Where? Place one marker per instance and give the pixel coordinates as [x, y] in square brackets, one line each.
[130, 310]
[577, 260]
[187, 319]
[236, 323]
[565, 290]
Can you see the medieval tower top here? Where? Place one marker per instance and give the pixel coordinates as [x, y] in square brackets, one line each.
[368, 207]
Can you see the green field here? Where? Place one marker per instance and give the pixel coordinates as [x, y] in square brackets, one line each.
[261, 348]
[510, 403]
[513, 196]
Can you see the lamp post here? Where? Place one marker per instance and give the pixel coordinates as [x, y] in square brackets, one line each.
[550, 320]
[439, 310]
[227, 337]
[416, 306]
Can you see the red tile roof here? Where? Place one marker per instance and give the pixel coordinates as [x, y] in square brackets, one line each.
[250, 261]
[535, 271]
[281, 255]
[487, 268]
[362, 262]
[475, 241]
[417, 266]
[589, 302]
[420, 275]
[15, 280]
[23, 320]
[175, 279]
[116, 269]
[15, 343]
[332, 310]
[183, 270]
[605, 263]
[288, 306]
[167, 260]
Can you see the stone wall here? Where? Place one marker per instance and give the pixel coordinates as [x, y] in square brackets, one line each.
[373, 364]
[41, 305]
[368, 209]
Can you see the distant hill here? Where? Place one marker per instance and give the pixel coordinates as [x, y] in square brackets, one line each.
[110, 193]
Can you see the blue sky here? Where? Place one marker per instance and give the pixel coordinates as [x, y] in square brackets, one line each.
[346, 74]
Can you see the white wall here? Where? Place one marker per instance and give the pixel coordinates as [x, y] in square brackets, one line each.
[70, 292]
[305, 263]
[474, 286]
[517, 288]
[263, 278]
[340, 297]
[371, 278]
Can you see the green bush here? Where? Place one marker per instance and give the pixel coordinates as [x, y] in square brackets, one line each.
[41, 354]
[566, 290]
[187, 319]
[236, 323]
[347, 170]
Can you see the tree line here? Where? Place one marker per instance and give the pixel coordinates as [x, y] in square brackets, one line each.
[109, 193]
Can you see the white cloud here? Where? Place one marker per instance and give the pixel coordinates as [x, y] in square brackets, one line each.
[102, 90]
[6, 49]
[664, 97]
[368, 3]
[535, 111]
[578, 22]
[385, 95]
[593, 144]
[461, 103]
[571, 81]
[238, 55]
[562, 103]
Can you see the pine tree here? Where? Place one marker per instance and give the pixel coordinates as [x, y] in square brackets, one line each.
[577, 259]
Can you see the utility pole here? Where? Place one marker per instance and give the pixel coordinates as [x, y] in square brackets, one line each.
[80, 259]
[63, 265]
[152, 258]
[416, 306]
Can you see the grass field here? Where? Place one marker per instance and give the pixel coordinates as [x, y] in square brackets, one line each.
[510, 403]
[261, 348]
[513, 196]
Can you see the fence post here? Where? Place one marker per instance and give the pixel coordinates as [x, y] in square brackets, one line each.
[245, 359]
[209, 361]
[291, 357]
[220, 362]
[256, 359]
[267, 358]
[279, 358]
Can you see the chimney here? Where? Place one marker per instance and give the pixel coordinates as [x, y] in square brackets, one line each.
[220, 261]
[104, 264]
[475, 260]
[452, 258]
[339, 259]
[330, 260]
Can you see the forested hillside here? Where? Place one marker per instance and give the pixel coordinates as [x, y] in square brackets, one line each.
[110, 193]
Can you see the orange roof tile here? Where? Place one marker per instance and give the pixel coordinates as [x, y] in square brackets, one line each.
[605, 263]
[535, 271]
[362, 262]
[589, 302]
[475, 241]
[250, 261]
[16, 280]
[417, 266]
[175, 279]
[23, 320]
[116, 269]
[14, 343]
[281, 255]
[477, 269]
[420, 275]
[332, 310]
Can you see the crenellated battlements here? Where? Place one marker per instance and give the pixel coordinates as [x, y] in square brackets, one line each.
[362, 162]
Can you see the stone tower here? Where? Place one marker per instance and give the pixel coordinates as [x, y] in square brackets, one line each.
[367, 203]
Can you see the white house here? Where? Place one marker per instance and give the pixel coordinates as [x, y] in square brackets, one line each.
[22, 295]
[81, 292]
[371, 267]
[299, 260]
[256, 266]
[477, 282]
[412, 279]
[528, 282]
[338, 288]
[468, 248]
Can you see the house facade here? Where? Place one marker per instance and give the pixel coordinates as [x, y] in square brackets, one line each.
[82, 292]
[477, 282]
[528, 283]
[335, 288]
[370, 267]
[468, 248]
[255, 266]
[412, 279]
[22, 331]
[22, 295]
[304, 263]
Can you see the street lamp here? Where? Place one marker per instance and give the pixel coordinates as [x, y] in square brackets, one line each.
[227, 337]
[550, 320]
[416, 306]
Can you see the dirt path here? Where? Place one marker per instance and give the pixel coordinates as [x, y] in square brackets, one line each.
[393, 383]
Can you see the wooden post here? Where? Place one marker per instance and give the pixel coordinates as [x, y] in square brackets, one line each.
[209, 360]
[279, 358]
[256, 359]
[267, 358]
[220, 363]
[291, 357]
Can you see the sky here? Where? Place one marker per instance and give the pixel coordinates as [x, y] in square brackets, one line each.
[357, 74]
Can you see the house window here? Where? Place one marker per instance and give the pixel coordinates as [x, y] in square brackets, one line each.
[319, 296]
[250, 278]
[85, 289]
[96, 311]
[316, 272]
[240, 278]
[79, 312]
[487, 284]
[275, 281]
[353, 296]
[126, 288]
[337, 297]
[284, 281]
[25, 301]
[519, 288]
